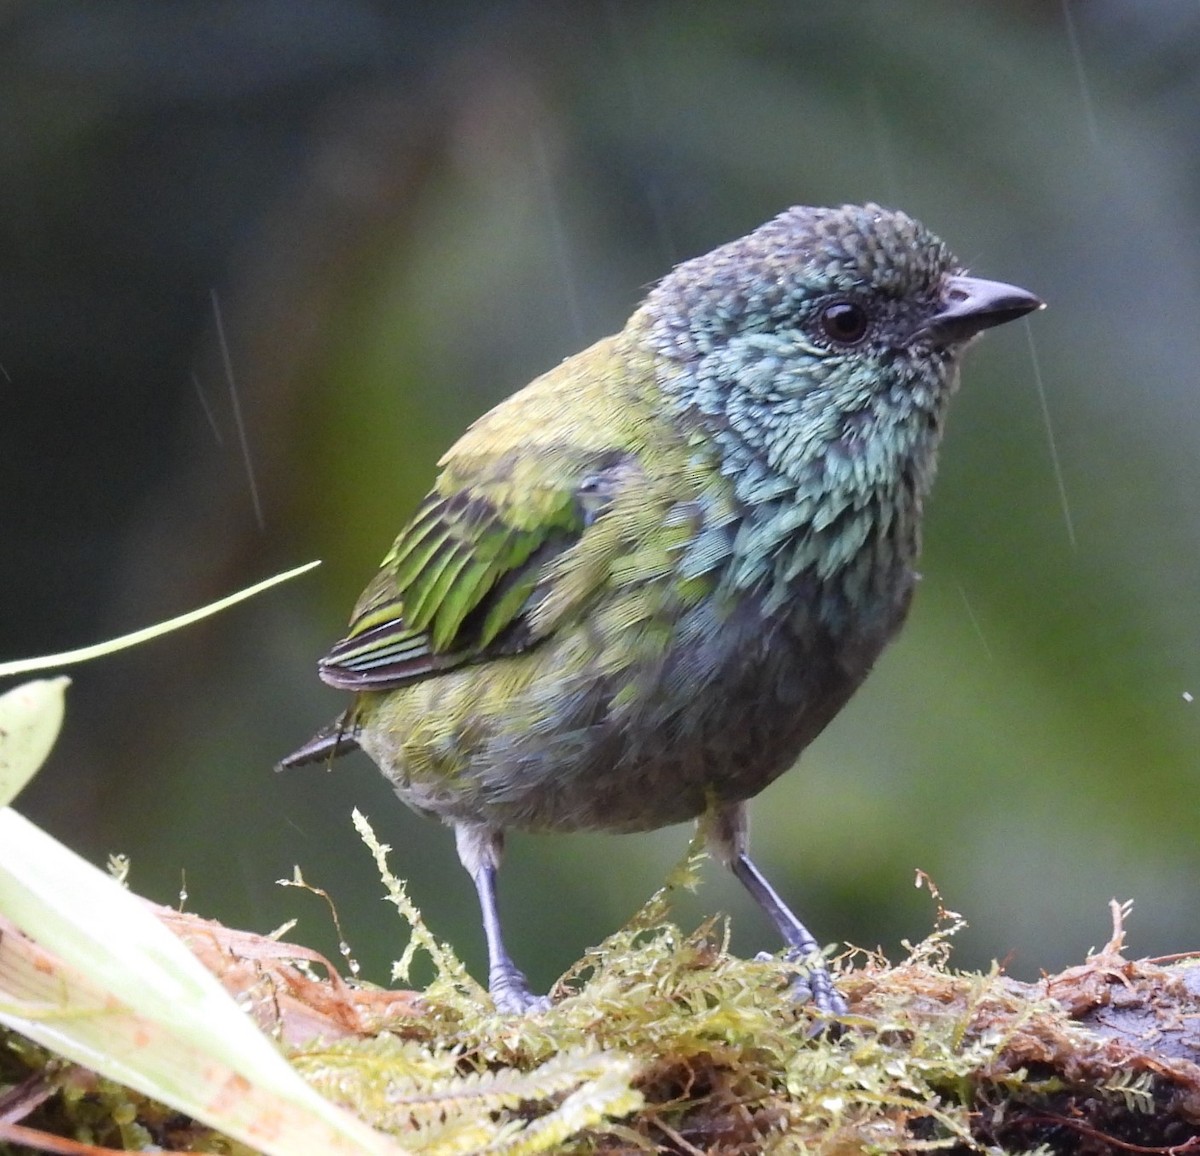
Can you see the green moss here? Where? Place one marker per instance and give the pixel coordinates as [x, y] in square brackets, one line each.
[660, 1040]
[661, 1037]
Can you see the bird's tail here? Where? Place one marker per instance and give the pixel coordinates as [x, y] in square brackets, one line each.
[338, 738]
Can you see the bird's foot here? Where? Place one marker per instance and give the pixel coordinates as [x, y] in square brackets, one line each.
[813, 984]
[511, 993]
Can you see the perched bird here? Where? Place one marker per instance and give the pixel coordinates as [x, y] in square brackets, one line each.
[643, 584]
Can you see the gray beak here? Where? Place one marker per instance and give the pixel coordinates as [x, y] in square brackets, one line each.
[971, 304]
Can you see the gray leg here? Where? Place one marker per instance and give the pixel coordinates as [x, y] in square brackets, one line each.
[728, 839]
[480, 849]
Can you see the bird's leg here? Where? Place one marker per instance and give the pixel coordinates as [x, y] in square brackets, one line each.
[480, 848]
[728, 839]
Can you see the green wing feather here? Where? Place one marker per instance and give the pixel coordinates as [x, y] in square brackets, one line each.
[453, 587]
[538, 505]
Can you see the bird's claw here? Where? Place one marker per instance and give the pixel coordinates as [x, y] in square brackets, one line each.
[815, 985]
[512, 995]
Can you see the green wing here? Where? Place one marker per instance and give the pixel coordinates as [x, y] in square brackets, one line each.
[459, 583]
[559, 496]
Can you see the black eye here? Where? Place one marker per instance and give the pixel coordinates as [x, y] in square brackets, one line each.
[844, 322]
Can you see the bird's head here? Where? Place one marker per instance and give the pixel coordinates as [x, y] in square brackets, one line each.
[822, 325]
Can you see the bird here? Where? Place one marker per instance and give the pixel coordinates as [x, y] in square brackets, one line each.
[643, 584]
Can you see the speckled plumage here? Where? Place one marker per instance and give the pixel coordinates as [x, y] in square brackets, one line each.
[643, 584]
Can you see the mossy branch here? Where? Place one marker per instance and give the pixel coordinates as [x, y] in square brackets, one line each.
[660, 1040]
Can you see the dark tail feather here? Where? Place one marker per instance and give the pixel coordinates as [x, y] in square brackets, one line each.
[325, 746]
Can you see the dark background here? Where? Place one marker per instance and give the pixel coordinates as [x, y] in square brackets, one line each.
[406, 212]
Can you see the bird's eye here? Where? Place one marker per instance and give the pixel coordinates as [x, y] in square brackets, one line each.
[844, 322]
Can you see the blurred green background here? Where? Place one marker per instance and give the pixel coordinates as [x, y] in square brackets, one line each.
[406, 212]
